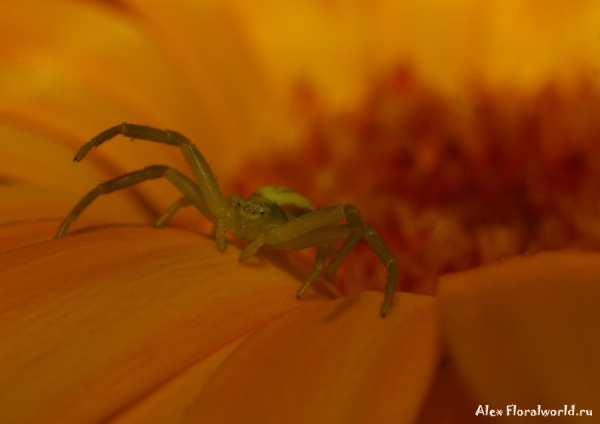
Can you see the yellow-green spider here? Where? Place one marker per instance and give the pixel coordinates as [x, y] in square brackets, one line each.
[276, 216]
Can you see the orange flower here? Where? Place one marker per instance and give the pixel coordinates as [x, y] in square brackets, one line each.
[125, 324]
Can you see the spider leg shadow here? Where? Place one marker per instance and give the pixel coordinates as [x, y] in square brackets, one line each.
[92, 228]
[6, 180]
[264, 256]
[296, 269]
[341, 308]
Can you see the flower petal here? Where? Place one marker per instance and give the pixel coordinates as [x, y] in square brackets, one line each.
[335, 362]
[78, 67]
[94, 322]
[39, 180]
[73, 69]
[525, 331]
[448, 401]
[208, 44]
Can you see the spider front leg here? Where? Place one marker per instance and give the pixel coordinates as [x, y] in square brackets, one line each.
[318, 268]
[314, 229]
[252, 247]
[206, 182]
[184, 201]
[180, 181]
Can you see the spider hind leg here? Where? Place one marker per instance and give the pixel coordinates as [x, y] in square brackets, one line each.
[391, 263]
[314, 229]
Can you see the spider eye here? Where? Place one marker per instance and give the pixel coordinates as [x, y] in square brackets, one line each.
[262, 212]
[240, 204]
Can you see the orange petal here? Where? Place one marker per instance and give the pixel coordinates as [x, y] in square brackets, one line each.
[524, 331]
[448, 401]
[73, 69]
[94, 322]
[335, 362]
[79, 67]
[131, 323]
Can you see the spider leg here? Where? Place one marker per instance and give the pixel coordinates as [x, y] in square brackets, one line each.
[319, 264]
[316, 225]
[180, 181]
[316, 237]
[339, 257]
[386, 256]
[252, 247]
[184, 201]
[207, 183]
[322, 237]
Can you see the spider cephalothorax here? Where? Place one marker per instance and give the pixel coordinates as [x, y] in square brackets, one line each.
[252, 208]
[276, 216]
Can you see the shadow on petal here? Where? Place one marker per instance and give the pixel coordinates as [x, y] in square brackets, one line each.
[334, 362]
[449, 402]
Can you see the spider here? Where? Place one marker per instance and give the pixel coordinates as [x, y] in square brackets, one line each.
[276, 216]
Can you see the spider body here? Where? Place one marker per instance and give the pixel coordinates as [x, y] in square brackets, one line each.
[276, 216]
[249, 218]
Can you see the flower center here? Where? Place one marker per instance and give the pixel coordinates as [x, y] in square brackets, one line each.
[449, 183]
